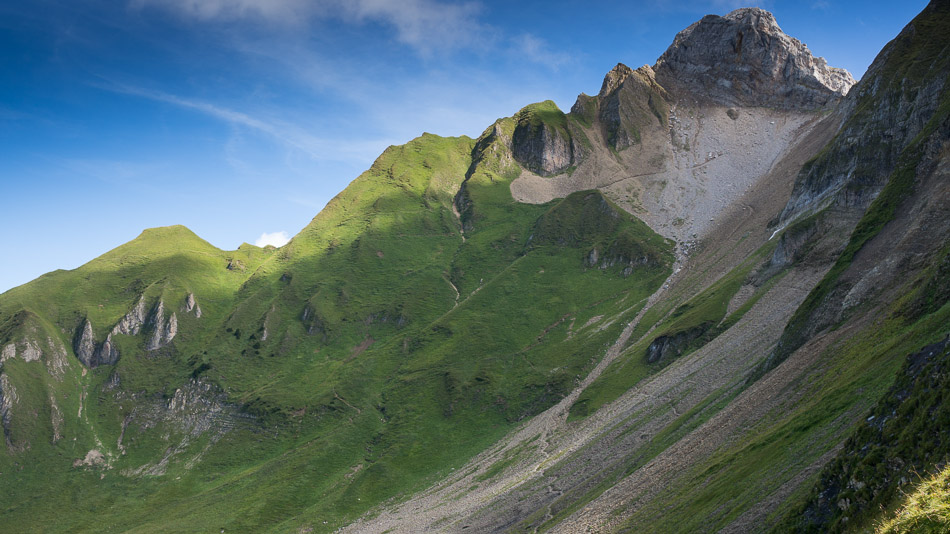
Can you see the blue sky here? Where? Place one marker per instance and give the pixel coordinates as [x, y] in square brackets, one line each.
[239, 118]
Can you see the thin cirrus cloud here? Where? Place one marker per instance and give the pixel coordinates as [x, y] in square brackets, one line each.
[290, 135]
[538, 50]
[426, 25]
[280, 11]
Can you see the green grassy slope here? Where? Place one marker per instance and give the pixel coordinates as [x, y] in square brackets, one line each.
[381, 347]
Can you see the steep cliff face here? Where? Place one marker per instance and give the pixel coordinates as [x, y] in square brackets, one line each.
[35, 373]
[191, 305]
[629, 102]
[131, 323]
[8, 399]
[886, 167]
[901, 441]
[891, 106]
[542, 141]
[188, 422]
[164, 329]
[745, 59]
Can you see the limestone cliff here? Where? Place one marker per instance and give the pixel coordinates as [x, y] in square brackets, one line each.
[679, 142]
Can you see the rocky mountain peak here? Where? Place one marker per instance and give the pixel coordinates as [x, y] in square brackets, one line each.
[752, 16]
[744, 58]
[615, 78]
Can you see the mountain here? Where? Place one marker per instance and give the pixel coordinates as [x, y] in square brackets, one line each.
[712, 297]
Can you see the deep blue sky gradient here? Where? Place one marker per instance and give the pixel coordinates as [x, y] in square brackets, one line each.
[239, 117]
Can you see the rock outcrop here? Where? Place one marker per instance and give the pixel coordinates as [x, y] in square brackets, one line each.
[163, 329]
[8, 398]
[131, 324]
[28, 351]
[887, 110]
[56, 359]
[107, 354]
[25, 391]
[882, 181]
[745, 59]
[629, 101]
[858, 481]
[89, 353]
[85, 345]
[196, 415]
[542, 141]
[191, 305]
[668, 346]
[313, 323]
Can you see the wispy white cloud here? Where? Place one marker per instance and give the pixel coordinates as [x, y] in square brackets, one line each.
[439, 97]
[422, 24]
[276, 239]
[537, 50]
[426, 25]
[279, 11]
[288, 134]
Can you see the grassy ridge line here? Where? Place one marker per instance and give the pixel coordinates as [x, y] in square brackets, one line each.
[336, 430]
[108, 286]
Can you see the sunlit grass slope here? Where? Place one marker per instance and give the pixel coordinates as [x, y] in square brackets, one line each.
[400, 333]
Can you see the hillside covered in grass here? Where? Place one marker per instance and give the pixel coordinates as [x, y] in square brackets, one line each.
[350, 366]
[707, 311]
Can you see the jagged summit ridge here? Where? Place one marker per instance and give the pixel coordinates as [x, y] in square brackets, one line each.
[744, 58]
[615, 79]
